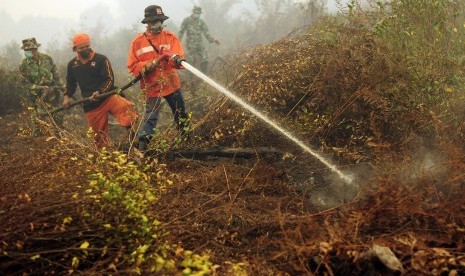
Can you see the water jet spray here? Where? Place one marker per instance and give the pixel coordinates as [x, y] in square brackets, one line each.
[255, 112]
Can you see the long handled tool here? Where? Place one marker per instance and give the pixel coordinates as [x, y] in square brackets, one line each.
[99, 96]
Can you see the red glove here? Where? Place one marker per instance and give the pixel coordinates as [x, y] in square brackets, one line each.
[150, 66]
[164, 56]
[176, 59]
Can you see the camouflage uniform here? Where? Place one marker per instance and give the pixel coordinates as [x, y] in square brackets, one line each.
[35, 74]
[194, 27]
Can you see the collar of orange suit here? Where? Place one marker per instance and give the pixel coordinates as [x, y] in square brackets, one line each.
[85, 60]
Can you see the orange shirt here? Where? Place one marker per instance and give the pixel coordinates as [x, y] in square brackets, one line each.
[164, 79]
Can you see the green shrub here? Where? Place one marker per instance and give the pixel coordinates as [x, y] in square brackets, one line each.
[11, 91]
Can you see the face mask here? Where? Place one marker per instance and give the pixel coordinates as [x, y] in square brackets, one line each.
[196, 15]
[28, 54]
[85, 53]
[156, 28]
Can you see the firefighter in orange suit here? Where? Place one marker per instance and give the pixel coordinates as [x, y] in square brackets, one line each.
[161, 81]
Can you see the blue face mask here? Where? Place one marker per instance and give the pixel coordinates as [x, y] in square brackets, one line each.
[28, 54]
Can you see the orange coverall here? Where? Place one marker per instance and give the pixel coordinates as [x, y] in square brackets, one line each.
[164, 80]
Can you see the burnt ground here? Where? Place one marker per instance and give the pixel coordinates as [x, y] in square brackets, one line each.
[266, 213]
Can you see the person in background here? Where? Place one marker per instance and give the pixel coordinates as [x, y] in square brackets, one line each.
[160, 81]
[194, 27]
[40, 77]
[94, 75]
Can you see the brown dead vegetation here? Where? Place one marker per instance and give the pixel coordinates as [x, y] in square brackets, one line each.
[243, 211]
[345, 92]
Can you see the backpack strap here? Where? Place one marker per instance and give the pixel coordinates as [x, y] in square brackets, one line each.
[151, 44]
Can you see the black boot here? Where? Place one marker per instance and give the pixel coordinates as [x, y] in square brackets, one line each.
[143, 145]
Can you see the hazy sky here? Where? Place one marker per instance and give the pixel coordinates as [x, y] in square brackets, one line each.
[52, 19]
[72, 9]
[49, 20]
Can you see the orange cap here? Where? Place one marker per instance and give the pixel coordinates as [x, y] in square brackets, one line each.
[80, 39]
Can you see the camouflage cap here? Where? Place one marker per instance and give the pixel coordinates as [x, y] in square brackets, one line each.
[30, 43]
[197, 9]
